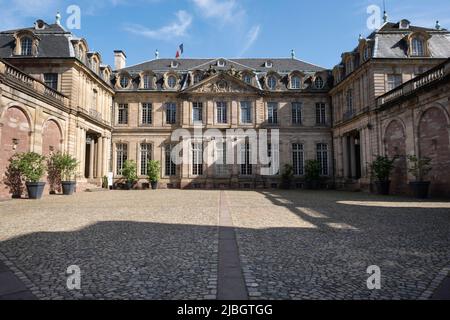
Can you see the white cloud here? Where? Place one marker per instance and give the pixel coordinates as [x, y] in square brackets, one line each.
[175, 29]
[227, 10]
[251, 38]
[17, 13]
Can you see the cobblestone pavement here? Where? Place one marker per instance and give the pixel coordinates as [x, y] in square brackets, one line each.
[318, 245]
[164, 244]
[128, 245]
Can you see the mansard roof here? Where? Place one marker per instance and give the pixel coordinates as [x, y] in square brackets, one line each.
[285, 65]
[54, 42]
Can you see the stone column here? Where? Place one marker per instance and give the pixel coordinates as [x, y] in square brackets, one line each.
[91, 159]
[100, 157]
[345, 156]
[352, 157]
[104, 156]
[83, 152]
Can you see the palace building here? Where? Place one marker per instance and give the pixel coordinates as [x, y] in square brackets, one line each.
[389, 96]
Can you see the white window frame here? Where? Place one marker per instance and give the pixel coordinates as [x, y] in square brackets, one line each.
[246, 112]
[272, 113]
[221, 112]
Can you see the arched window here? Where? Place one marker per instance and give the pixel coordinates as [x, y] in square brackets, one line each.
[272, 83]
[197, 78]
[26, 46]
[366, 53]
[172, 82]
[318, 83]
[124, 82]
[146, 82]
[295, 83]
[417, 49]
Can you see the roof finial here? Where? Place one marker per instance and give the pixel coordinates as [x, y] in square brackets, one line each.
[438, 26]
[156, 54]
[385, 17]
[58, 18]
[293, 54]
[360, 37]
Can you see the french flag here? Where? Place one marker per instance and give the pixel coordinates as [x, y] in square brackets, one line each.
[180, 51]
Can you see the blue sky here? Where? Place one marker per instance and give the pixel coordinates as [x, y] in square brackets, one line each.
[318, 31]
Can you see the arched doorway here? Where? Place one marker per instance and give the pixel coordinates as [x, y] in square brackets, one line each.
[15, 138]
[434, 143]
[51, 138]
[395, 144]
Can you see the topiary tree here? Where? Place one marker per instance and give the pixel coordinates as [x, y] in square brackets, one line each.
[153, 171]
[129, 171]
[13, 178]
[382, 167]
[53, 174]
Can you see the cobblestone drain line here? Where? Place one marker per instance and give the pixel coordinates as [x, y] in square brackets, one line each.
[21, 275]
[434, 285]
[231, 285]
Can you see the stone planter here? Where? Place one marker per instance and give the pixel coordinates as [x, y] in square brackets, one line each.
[68, 187]
[420, 189]
[383, 187]
[154, 185]
[35, 190]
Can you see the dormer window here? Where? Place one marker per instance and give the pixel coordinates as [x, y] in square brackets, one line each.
[318, 83]
[272, 83]
[366, 53]
[146, 82]
[26, 46]
[124, 82]
[247, 79]
[349, 66]
[174, 64]
[268, 64]
[417, 47]
[197, 78]
[404, 24]
[221, 63]
[295, 83]
[172, 82]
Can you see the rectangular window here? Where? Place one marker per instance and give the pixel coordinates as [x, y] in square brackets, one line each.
[51, 80]
[221, 111]
[322, 157]
[147, 82]
[221, 167]
[146, 156]
[197, 159]
[349, 98]
[122, 116]
[147, 109]
[121, 156]
[298, 159]
[272, 113]
[197, 112]
[246, 112]
[297, 113]
[393, 81]
[321, 118]
[246, 166]
[171, 113]
[94, 99]
[273, 153]
[170, 166]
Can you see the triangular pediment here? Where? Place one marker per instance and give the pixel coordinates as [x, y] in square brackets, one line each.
[222, 82]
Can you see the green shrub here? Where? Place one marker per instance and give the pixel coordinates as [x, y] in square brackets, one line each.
[382, 167]
[153, 171]
[312, 170]
[65, 165]
[419, 167]
[31, 165]
[129, 171]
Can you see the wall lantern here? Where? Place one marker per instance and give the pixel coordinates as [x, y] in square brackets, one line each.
[15, 143]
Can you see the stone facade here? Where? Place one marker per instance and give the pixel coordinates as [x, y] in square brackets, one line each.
[58, 96]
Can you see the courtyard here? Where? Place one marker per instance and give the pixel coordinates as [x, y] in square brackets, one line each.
[267, 244]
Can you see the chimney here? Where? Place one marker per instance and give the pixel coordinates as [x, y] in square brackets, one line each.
[120, 59]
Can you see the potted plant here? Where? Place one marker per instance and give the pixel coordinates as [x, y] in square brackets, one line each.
[13, 178]
[129, 172]
[419, 168]
[67, 166]
[287, 176]
[312, 174]
[31, 165]
[53, 174]
[381, 169]
[153, 171]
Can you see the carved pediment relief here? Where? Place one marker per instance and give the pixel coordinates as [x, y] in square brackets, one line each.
[223, 84]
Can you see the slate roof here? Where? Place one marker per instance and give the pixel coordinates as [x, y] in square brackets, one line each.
[257, 65]
[54, 42]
